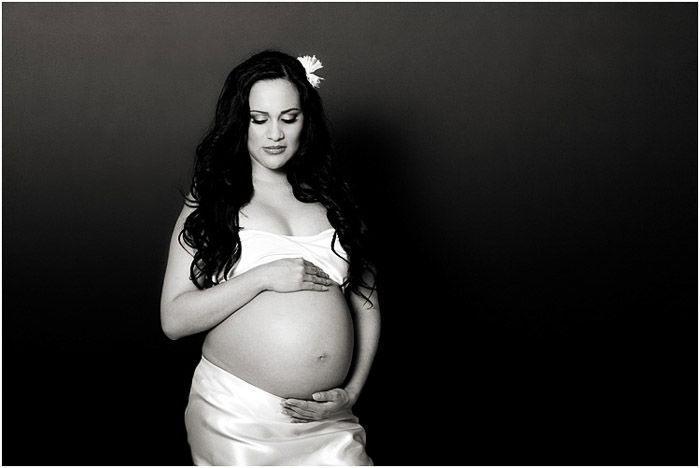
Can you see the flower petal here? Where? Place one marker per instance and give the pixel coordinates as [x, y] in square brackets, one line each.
[311, 64]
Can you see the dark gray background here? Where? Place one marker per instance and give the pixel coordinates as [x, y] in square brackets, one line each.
[529, 173]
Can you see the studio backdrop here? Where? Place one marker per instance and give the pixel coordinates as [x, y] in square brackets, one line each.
[528, 173]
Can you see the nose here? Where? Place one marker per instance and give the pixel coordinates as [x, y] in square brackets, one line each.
[274, 132]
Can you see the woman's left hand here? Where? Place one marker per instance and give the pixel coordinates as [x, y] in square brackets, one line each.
[323, 405]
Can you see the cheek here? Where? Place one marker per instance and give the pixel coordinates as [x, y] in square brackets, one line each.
[253, 135]
[295, 134]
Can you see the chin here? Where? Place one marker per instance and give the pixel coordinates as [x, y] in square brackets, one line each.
[278, 167]
[277, 163]
[272, 163]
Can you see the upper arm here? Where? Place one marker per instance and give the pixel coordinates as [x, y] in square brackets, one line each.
[358, 302]
[177, 272]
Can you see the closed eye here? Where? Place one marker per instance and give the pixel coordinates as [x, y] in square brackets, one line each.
[260, 122]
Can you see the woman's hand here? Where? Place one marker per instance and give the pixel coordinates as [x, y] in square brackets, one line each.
[323, 405]
[295, 274]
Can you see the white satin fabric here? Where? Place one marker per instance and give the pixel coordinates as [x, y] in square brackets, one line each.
[231, 422]
[258, 247]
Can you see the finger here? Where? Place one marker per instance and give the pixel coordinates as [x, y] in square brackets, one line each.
[303, 414]
[316, 271]
[334, 395]
[315, 279]
[323, 273]
[313, 286]
[298, 414]
[320, 272]
[295, 403]
[321, 280]
[303, 406]
[313, 283]
[324, 396]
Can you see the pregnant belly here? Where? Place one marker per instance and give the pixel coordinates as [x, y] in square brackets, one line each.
[289, 344]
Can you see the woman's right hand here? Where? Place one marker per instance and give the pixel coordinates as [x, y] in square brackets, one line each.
[295, 274]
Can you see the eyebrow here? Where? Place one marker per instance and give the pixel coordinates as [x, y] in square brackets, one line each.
[283, 112]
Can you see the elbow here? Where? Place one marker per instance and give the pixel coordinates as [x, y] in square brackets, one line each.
[172, 334]
[170, 331]
[169, 325]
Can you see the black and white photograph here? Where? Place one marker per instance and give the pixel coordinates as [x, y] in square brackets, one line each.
[349, 233]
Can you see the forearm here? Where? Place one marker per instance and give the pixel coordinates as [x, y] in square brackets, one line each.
[367, 331]
[199, 310]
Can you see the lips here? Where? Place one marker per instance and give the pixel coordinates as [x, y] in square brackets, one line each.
[274, 149]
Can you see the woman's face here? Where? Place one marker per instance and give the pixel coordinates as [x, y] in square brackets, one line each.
[275, 124]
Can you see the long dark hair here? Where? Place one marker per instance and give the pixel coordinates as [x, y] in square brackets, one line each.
[222, 181]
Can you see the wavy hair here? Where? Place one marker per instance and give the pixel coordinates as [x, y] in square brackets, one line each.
[222, 180]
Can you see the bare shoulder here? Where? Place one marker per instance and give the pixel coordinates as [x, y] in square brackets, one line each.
[187, 209]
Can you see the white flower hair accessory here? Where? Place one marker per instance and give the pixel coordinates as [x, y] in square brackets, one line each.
[311, 64]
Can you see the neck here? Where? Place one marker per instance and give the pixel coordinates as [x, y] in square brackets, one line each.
[267, 176]
[272, 184]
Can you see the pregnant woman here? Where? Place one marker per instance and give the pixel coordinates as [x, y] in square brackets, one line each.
[269, 257]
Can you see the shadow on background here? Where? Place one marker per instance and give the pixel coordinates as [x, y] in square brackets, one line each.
[529, 173]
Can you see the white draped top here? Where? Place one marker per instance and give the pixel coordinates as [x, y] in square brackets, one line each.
[260, 247]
